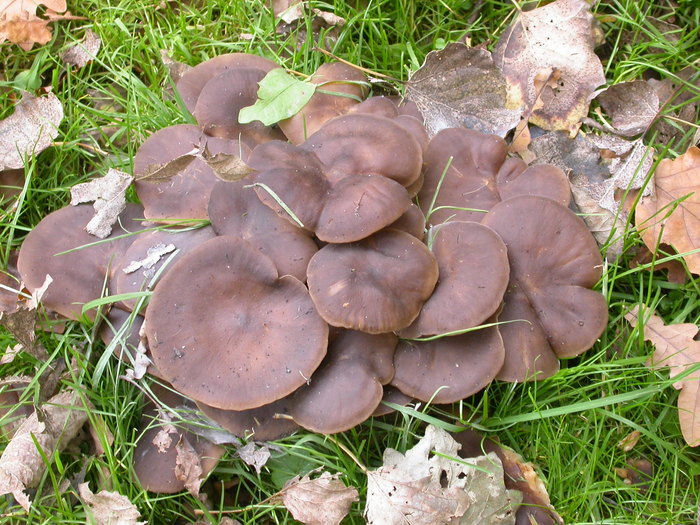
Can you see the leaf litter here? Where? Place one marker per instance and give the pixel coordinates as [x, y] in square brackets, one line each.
[83, 52]
[109, 508]
[108, 195]
[324, 500]
[20, 24]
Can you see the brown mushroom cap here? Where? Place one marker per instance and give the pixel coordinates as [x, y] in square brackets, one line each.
[448, 369]
[347, 387]
[225, 330]
[376, 285]
[554, 261]
[473, 278]
[378, 106]
[412, 221]
[391, 395]
[78, 276]
[193, 81]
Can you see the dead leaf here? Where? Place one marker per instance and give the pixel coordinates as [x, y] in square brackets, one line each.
[679, 90]
[676, 349]
[109, 508]
[630, 441]
[108, 194]
[227, 167]
[662, 218]
[631, 106]
[324, 500]
[460, 86]
[83, 52]
[22, 325]
[176, 70]
[254, 455]
[21, 464]
[20, 24]
[188, 466]
[426, 487]
[29, 130]
[639, 472]
[558, 37]
[153, 255]
[676, 270]
[292, 15]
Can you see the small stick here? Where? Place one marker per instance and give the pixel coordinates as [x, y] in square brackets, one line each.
[363, 69]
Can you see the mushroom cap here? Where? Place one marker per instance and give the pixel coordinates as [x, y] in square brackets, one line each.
[336, 77]
[226, 331]
[375, 285]
[448, 369]
[236, 210]
[379, 106]
[412, 221]
[10, 277]
[391, 395]
[222, 98]
[347, 387]
[554, 261]
[193, 81]
[473, 278]
[78, 276]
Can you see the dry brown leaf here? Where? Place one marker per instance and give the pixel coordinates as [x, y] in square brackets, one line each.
[188, 466]
[460, 86]
[676, 349]
[630, 441]
[22, 325]
[21, 464]
[108, 194]
[662, 219]
[29, 130]
[631, 106]
[557, 38]
[109, 508]
[676, 270]
[83, 52]
[20, 24]
[324, 500]
[254, 455]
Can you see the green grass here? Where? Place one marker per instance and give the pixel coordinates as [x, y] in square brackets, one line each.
[568, 425]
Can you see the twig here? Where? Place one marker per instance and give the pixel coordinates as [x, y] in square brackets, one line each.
[360, 68]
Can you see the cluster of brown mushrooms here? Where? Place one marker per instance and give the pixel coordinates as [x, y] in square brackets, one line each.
[358, 260]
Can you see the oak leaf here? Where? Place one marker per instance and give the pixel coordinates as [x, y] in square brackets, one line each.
[109, 508]
[324, 500]
[631, 106]
[20, 24]
[677, 349]
[672, 214]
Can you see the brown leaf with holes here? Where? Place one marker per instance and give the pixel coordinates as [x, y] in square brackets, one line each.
[324, 500]
[109, 508]
[84, 51]
[20, 24]
[677, 349]
[557, 38]
[672, 214]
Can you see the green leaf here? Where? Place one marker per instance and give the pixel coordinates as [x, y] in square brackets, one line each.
[280, 96]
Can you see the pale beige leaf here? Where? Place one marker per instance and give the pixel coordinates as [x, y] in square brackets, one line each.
[254, 455]
[109, 508]
[20, 24]
[677, 349]
[188, 466]
[631, 106]
[83, 52]
[108, 196]
[324, 500]
[672, 214]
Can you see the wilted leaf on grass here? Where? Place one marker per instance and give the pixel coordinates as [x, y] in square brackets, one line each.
[676, 270]
[22, 325]
[108, 194]
[254, 455]
[677, 349]
[29, 130]
[280, 96]
[672, 215]
[84, 51]
[460, 86]
[631, 106]
[21, 464]
[109, 508]
[556, 38]
[678, 90]
[20, 24]
[324, 500]
[427, 487]
[188, 466]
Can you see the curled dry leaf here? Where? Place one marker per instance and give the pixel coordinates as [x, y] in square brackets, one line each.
[21, 324]
[29, 130]
[677, 349]
[188, 466]
[83, 52]
[21, 464]
[254, 455]
[109, 508]
[108, 194]
[460, 86]
[672, 214]
[631, 106]
[20, 24]
[559, 39]
[324, 500]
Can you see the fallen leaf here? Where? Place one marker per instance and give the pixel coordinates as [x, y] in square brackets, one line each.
[676, 349]
[188, 466]
[20, 24]
[558, 37]
[630, 441]
[677, 91]
[22, 465]
[427, 486]
[83, 52]
[108, 194]
[639, 472]
[153, 255]
[109, 508]
[226, 167]
[676, 270]
[254, 455]
[324, 500]
[631, 106]
[22, 325]
[29, 130]
[280, 96]
[672, 214]
[176, 70]
[460, 86]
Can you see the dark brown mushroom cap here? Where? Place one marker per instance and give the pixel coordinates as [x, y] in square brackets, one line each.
[554, 261]
[347, 387]
[221, 100]
[391, 395]
[376, 285]
[448, 369]
[336, 77]
[473, 278]
[479, 176]
[127, 280]
[186, 195]
[78, 276]
[236, 210]
[365, 144]
[191, 83]
[416, 128]
[13, 410]
[226, 331]
[259, 423]
[377, 106]
[10, 278]
[412, 221]
[11, 183]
